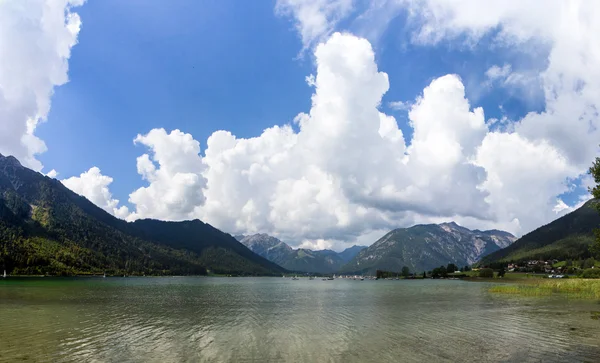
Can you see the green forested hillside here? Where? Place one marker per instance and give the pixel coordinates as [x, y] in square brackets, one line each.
[568, 237]
[45, 228]
[218, 251]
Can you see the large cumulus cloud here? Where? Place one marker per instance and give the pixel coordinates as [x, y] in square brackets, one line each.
[36, 37]
[344, 170]
[347, 170]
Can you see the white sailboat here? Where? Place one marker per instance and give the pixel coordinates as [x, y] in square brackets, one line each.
[4, 276]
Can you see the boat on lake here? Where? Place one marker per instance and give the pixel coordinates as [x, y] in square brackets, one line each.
[4, 276]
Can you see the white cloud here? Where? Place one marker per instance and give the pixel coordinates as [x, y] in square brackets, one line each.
[315, 19]
[317, 244]
[35, 44]
[400, 105]
[560, 206]
[524, 85]
[523, 178]
[495, 72]
[175, 186]
[570, 121]
[588, 182]
[303, 185]
[346, 172]
[94, 186]
[52, 174]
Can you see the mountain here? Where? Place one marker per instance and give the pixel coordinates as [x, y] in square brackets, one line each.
[424, 247]
[300, 260]
[268, 247]
[45, 228]
[349, 253]
[568, 237]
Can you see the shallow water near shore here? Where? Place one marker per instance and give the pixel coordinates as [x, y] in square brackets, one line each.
[189, 319]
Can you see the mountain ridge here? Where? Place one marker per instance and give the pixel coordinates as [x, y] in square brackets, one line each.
[567, 237]
[301, 259]
[425, 246]
[46, 228]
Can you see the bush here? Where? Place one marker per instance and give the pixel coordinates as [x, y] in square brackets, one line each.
[486, 272]
[590, 273]
[589, 263]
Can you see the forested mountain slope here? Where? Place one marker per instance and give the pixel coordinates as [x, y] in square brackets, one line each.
[45, 228]
[568, 237]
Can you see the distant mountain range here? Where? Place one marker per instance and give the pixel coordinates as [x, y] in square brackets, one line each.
[424, 247]
[45, 228]
[301, 260]
[568, 237]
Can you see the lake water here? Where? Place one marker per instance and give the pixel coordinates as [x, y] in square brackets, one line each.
[193, 319]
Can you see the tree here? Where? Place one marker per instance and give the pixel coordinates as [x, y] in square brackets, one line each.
[405, 271]
[595, 173]
[424, 274]
[382, 274]
[439, 272]
[466, 268]
[486, 273]
[501, 272]
[589, 263]
[451, 268]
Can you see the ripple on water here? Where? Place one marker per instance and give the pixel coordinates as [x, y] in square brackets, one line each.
[280, 320]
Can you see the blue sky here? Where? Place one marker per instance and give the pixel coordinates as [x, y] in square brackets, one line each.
[496, 128]
[194, 66]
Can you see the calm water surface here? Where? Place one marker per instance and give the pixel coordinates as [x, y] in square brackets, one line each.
[188, 319]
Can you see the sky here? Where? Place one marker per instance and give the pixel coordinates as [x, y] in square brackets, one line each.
[323, 123]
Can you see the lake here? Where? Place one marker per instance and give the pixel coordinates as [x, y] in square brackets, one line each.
[199, 319]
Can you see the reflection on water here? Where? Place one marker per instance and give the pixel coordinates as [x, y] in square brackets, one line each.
[280, 320]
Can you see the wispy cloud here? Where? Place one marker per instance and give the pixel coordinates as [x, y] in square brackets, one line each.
[314, 19]
[400, 105]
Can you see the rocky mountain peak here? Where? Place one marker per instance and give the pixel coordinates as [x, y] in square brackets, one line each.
[301, 259]
[423, 247]
[10, 161]
[262, 241]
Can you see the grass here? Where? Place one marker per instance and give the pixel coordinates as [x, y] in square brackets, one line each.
[570, 288]
[509, 276]
[523, 276]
